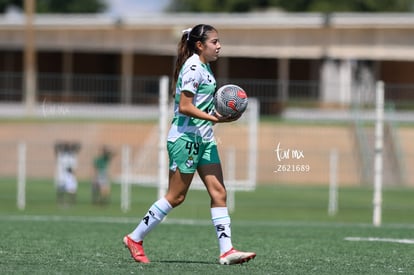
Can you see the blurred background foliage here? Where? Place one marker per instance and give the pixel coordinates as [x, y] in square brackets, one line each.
[58, 6]
[96, 6]
[293, 5]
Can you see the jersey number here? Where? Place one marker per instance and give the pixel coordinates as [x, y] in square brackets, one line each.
[192, 148]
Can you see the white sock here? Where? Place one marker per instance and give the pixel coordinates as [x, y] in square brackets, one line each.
[154, 216]
[221, 221]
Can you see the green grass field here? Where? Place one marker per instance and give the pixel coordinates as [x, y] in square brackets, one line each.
[287, 226]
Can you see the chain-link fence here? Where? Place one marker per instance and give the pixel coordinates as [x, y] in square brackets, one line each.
[273, 94]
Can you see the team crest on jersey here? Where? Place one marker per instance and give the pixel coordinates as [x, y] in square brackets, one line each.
[190, 162]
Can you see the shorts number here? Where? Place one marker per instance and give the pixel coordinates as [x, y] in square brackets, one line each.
[192, 148]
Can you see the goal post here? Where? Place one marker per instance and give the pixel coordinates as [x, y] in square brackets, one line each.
[239, 164]
[125, 181]
[378, 156]
[253, 120]
[21, 175]
[249, 121]
[333, 182]
[162, 141]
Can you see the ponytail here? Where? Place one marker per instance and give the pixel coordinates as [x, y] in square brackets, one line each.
[187, 47]
[183, 53]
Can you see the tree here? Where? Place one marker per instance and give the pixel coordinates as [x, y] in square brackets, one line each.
[5, 3]
[59, 6]
[293, 5]
[217, 5]
[346, 5]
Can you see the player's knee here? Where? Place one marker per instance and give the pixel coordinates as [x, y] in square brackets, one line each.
[219, 199]
[176, 200]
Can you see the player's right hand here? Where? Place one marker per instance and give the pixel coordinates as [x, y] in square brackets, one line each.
[228, 118]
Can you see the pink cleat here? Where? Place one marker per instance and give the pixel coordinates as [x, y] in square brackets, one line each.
[234, 256]
[136, 249]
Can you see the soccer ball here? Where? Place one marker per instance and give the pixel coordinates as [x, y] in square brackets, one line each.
[230, 100]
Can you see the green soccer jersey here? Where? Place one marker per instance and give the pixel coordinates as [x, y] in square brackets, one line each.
[197, 78]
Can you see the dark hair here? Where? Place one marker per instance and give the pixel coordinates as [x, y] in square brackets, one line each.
[187, 46]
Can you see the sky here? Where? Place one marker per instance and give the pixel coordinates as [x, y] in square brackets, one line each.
[135, 6]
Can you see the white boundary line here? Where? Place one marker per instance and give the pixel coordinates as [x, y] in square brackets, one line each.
[133, 220]
[85, 219]
[374, 239]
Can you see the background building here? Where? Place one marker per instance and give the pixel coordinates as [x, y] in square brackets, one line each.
[312, 58]
[301, 66]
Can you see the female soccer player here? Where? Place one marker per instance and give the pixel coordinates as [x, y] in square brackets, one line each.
[191, 145]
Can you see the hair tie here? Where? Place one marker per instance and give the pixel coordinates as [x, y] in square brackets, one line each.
[187, 32]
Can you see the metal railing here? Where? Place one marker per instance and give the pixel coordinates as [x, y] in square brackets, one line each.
[274, 95]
